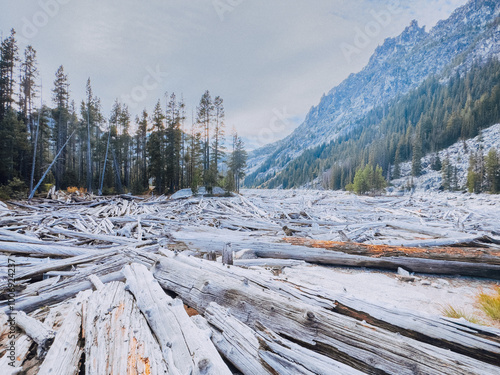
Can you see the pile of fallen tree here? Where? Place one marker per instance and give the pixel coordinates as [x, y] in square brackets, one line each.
[115, 286]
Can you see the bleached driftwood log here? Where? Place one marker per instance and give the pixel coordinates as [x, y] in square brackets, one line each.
[65, 353]
[58, 293]
[22, 346]
[91, 236]
[53, 265]
[44, 250]
[42, 335]
[460, 254]
[354, 343]
[329, 257]
[262, 352]
[179, 338]
[472, 340]
[117, 336]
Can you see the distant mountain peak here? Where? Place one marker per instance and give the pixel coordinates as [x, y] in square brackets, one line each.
[397, 66]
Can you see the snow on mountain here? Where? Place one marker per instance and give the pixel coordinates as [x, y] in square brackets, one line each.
[458, 155]
[400, 64]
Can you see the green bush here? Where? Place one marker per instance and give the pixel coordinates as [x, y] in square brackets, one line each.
[15, 189]
[368, 179]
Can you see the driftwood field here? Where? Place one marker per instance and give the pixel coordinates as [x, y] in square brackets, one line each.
[266, 282]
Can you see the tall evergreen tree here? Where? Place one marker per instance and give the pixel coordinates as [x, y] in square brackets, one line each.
[204, 119]
[218, 137]
[156, 150]
[492, 166]
[238, 161]
[61, 117]
[8, 59]
[28, 88]
[141, 149]
[173, 140]
[416, 164]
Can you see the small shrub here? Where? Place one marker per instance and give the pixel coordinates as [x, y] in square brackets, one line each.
[490, 303]
[15, 189]
[46, 187]
[74, 189]
[452, 312]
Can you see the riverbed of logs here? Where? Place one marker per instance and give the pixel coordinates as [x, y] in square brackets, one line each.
[135, 285]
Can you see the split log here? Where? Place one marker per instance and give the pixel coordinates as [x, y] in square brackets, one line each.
[42, 335]
[117, 336]
[263, 352]
[179, 338]
[356, 344]
[423, 265]
[65, 353]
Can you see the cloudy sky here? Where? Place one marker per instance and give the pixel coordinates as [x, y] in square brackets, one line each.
[269, 60]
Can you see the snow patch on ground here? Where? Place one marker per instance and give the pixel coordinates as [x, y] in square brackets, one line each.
[458, 154]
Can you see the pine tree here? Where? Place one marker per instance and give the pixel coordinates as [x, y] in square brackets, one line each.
[156, 150]
[61, 116]
[436, 163]
[397, 168]
[141, 149]
[492, 166]
[28, 88]
[238, 161]
[416, 164]
[204, 119]
[218, 138]
[446, 173]
[474, 175]
[173, 140]
[9, 57]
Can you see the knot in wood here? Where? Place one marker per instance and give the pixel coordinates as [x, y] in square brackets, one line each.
[310, 315]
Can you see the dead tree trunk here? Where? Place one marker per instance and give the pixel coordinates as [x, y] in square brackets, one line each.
[354, 343]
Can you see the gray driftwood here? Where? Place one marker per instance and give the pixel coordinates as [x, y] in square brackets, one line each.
[354, 343]
[179, 338]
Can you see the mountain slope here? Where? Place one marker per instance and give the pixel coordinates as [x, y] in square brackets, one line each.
[470, 34]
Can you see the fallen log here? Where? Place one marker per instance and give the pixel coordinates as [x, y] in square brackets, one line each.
[179, 338]
[479, 342]
[58, 293]
[42, 335]
[356, 344]
[262, 352]
[94, 237]
[117, 336]
[44, 250]
[337, 258]
[459, 254]
[11, 362]
[65, 353]
[53, 265]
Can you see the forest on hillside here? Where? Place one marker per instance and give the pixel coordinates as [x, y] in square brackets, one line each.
[428, 119]
[74, 145]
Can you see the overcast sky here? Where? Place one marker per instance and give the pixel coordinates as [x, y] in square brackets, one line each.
[269, 60]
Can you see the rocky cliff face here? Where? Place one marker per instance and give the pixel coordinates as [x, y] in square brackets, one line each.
[470, 34]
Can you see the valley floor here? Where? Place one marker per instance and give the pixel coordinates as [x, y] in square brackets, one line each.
[307, 265]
